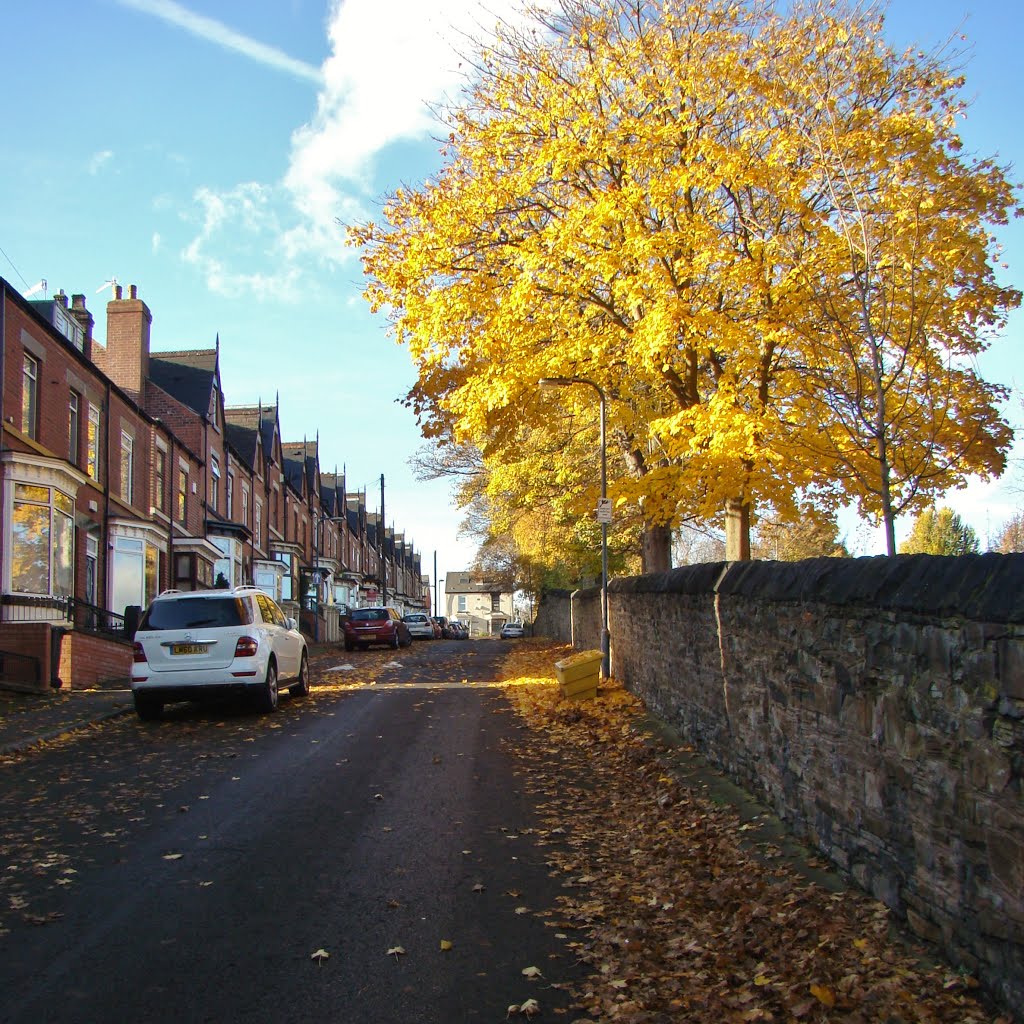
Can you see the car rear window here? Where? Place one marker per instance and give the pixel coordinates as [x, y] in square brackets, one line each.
[368, 614]
[189, 613]
[415, 618]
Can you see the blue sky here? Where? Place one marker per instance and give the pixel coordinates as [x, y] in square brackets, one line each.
[202, 151]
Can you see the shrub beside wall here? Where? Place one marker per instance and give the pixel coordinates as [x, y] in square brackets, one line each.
[876, 703]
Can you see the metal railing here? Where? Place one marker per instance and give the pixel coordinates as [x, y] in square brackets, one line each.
[90, 618]
[70, 611]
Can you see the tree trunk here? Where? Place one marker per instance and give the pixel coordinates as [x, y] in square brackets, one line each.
[737, 530]
[656, 549]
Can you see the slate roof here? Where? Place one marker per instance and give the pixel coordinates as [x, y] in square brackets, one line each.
[187, 376]
[464, 583]
[241, 428]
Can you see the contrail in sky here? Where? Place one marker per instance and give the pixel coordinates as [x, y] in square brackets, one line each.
[219, 33]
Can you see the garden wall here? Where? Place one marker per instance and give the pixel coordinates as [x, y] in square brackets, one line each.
[877, 704]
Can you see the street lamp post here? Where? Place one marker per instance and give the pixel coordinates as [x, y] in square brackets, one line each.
[603, 513]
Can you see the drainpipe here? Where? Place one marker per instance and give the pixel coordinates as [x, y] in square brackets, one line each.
[171, 480]
[107, 557]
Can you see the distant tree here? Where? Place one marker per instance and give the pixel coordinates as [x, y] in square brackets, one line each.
[940, 532]
[1011, 536]
[809, 537]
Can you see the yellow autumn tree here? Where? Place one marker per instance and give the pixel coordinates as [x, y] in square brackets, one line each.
[632, 193]
[900, 278]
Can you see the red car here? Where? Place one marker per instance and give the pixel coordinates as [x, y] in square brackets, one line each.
[366, 626]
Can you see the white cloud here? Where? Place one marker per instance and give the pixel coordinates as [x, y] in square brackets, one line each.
[100, 160]
[156, 242]
[379, 82]
[377, 87]
[221, 35]
[237, 227]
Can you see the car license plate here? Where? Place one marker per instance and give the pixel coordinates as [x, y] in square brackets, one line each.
[189, 648]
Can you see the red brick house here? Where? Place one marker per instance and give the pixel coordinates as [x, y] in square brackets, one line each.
[122, 473]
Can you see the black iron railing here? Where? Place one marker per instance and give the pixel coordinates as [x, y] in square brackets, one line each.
[90, 618]
[70, 611]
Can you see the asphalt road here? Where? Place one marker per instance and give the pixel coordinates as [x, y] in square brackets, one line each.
[187, 870]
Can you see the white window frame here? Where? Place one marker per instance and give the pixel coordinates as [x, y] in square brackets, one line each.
[74, 426]
[127, 467]
[30, 396]
[214, 480]
[92, 461]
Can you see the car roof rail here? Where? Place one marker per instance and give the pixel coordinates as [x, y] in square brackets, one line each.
[172, 590]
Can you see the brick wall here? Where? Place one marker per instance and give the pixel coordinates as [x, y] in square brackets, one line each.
[33, 640]
[87, 661]
[877, 704]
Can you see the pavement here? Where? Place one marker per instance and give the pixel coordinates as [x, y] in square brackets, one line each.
[28, 718]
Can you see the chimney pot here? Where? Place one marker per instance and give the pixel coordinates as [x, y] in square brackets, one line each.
[117, 291]
[133, 291]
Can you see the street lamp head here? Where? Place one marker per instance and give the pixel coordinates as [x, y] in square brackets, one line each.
[555, 382]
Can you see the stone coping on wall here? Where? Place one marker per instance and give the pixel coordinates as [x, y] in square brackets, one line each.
[984, 588]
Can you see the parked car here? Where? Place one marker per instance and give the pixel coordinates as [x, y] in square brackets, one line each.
[459, 630]
[512, 630]
[214, 643]
[366, 626]
[443, 623]
[420, 626]
[436, 626]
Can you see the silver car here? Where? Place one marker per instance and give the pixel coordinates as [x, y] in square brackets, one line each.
[419, 625]
[213, 643]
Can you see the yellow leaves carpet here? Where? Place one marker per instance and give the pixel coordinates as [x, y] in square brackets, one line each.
[676, 917]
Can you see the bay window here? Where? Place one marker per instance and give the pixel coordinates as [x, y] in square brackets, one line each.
[42, 541]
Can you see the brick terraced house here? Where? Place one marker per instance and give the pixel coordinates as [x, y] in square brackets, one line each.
[124, 473]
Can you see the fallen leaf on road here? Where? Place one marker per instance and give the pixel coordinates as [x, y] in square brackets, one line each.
[173, 856]
[319, 956]
[446, 944]
[532, 972]
[824, 995]
[396, 952]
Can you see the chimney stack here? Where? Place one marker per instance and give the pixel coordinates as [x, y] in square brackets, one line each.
[127, 355]
[86, 322]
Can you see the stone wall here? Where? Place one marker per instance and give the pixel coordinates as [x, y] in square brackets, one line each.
[554, 616]
[876, 703]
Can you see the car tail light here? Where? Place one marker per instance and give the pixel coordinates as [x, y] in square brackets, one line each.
[246, 647]
[138, 653]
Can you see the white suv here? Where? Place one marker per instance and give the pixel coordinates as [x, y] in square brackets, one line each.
[213, 643]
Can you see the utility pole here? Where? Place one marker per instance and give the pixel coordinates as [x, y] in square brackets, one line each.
[383, 563]
[437, 610]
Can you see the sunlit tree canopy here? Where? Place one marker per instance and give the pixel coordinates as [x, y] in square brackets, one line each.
[750, 225]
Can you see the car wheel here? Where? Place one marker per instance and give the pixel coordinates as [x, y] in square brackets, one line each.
[349, 646]
[268, 694]
[301, 688]
[148, 709]
[396, 641]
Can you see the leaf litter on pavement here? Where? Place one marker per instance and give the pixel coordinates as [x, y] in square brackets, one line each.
[673, 912]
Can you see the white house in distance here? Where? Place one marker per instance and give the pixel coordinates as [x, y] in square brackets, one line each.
[478, 602]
